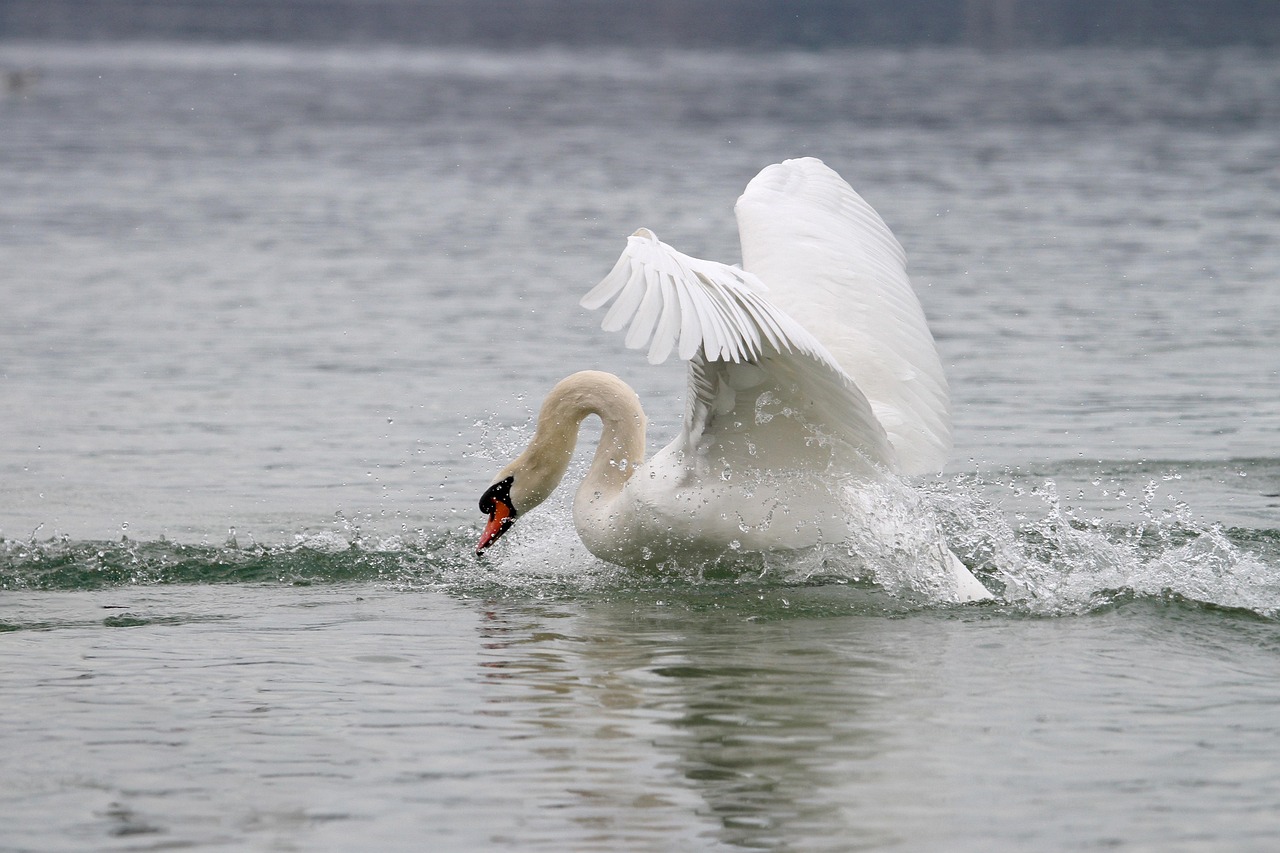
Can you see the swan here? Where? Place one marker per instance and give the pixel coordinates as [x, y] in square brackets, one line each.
[809, 366]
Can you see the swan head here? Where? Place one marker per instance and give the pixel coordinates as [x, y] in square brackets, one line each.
[497, 504]
[520, 487]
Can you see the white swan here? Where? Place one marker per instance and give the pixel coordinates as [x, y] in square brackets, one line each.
[809, 366]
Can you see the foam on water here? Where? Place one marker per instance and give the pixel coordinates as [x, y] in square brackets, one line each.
[1056, 561]
[1049, 561]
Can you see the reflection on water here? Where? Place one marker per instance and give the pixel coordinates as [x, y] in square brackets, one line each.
[733, 741]
[733, 717]
[839, 734]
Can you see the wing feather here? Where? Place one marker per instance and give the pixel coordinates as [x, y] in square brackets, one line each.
[717, 316]
[703, 305]
[831, 263]
[641, 330]
[664, 336]
[610, 285]
[627, 302]
[691, 336]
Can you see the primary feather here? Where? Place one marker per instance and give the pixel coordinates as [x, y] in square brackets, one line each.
[832, 264]
[823, 281]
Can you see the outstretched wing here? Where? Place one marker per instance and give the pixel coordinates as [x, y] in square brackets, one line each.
[832, 264]
[757, 378]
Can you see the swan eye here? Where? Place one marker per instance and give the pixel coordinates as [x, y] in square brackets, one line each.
[499, 491]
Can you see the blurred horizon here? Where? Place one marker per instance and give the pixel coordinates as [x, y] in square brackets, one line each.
[713, 24]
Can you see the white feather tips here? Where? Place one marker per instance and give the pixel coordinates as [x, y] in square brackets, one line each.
[670, 301]
[832, 264]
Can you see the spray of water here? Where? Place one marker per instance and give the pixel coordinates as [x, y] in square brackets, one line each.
[1041, 557]
[1038, 554]
[1053, 558]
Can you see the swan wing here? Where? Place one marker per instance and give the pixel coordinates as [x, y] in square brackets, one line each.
[832, 264]
[760, 385]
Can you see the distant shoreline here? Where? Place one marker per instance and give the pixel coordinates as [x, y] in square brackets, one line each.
[717, 24]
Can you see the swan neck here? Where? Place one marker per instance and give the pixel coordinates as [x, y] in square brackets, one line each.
[621, 447]
[619, 453]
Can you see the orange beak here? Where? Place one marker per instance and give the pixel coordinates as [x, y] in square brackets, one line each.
[500, 519]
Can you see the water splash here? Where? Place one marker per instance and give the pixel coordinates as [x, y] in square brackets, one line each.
[898, 537]
[1063, 560]
[1044, 557]
[1041, 557]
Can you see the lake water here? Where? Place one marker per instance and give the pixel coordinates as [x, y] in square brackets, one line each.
[273, 315]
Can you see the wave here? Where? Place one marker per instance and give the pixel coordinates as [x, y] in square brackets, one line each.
[1049, 561]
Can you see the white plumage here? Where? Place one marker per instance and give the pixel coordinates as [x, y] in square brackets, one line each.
[809, 367]
[822, 276]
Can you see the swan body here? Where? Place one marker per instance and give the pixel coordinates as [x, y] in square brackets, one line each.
[809, 367]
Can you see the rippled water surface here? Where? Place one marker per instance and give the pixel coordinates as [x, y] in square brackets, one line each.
[274, 315]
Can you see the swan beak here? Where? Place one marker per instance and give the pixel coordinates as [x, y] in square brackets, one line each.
[500, 519]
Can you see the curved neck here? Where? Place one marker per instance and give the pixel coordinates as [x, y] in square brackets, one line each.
[621, 448]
